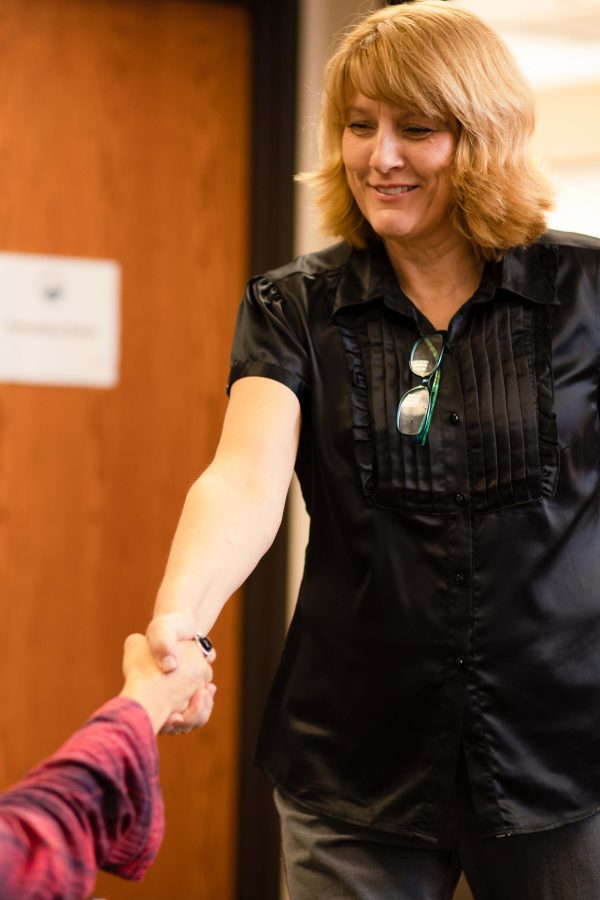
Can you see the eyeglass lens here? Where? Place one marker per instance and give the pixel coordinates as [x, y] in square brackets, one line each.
[426, 354]
[412, 410]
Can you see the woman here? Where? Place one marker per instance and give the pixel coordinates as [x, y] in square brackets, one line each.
[435, 380]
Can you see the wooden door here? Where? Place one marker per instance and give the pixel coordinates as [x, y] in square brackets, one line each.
[123, 135]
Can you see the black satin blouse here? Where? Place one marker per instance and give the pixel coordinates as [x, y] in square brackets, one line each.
[451, 594]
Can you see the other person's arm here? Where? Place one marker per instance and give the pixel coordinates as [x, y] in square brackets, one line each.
[97, 803]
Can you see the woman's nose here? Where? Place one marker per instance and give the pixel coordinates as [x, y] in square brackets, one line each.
[387, 152]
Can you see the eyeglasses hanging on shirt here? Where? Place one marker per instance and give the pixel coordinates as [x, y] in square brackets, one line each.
[417, 405]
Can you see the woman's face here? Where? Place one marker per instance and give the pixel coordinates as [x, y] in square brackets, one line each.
[398, 165]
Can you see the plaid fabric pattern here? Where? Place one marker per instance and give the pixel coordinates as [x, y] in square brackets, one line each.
[95, 804]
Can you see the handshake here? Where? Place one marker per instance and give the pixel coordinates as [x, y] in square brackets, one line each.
[96, 803]
[170, 676]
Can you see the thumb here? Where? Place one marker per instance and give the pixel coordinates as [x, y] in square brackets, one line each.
[163, 634]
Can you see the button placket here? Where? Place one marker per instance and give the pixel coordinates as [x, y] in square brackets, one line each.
[459, 549]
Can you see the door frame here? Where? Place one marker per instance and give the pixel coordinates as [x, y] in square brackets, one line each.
[274, 93]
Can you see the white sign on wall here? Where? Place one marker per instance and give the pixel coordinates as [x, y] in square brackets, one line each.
[59, 320]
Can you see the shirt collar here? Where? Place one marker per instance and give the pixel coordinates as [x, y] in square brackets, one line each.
[528, 272]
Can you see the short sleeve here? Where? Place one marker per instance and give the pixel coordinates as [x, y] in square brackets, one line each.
[270, 338]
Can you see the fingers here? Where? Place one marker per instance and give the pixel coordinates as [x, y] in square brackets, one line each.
[195, 665]
[196, 715]
[205, 705]
[198, 664]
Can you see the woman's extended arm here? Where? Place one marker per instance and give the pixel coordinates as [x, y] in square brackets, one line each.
[231, 513]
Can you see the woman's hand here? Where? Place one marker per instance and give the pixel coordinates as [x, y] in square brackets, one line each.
[167, 634]
[184, 694]
[164, 634]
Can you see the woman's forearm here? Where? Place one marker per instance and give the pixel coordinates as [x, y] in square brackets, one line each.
[226, 526]
[230, 516]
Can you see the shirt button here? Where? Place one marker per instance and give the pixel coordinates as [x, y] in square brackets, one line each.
[459, 499]
[459, 579]
[454, 418]
[460, 663]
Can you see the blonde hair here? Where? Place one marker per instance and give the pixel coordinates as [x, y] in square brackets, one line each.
[446, 63]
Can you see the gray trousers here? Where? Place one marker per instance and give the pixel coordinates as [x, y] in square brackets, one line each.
[326, 859]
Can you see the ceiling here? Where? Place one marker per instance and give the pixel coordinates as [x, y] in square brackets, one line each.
[572, 18]
[557, 42]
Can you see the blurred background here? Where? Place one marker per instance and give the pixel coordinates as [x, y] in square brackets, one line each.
[163, 135]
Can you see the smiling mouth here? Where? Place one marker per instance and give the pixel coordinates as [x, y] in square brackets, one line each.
[393, 191]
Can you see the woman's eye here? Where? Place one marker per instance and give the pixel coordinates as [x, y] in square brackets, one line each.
[418, 131]
[359, 127]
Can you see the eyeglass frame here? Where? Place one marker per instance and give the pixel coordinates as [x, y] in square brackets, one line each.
[432, 389]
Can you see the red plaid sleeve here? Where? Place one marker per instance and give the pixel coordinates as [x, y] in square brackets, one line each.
[95, 804]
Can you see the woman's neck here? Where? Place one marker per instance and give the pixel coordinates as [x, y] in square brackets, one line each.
[438, 280]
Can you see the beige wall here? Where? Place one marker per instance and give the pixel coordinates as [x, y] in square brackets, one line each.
[320, 23]
[568, 140]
